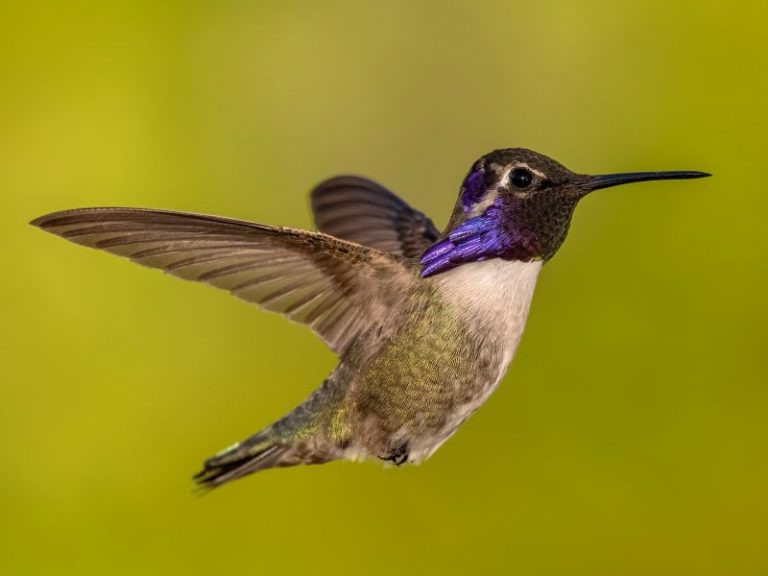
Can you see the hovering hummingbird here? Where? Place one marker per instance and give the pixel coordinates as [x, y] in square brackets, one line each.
[424, 323]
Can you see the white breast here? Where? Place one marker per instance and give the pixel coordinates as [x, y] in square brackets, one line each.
[493, 298]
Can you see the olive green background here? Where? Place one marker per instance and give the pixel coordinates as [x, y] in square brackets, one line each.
[630, 435]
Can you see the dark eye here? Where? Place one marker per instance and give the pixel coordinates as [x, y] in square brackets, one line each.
[521, 178]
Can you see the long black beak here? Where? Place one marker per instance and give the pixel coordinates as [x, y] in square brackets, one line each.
[608, 180]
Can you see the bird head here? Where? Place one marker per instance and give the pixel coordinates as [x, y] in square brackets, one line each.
[517, 204]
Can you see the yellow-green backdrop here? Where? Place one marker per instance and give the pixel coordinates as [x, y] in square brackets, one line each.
[630, 435]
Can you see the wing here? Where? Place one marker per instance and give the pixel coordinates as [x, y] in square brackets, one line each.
[362, 211]
[337, 288]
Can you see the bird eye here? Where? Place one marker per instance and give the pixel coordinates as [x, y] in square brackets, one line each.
[521, 178]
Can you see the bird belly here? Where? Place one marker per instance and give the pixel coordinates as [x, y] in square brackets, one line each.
[443, 363]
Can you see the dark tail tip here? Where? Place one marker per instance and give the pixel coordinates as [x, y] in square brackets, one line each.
[237, 463]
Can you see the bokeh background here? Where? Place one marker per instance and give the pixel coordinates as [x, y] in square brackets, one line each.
[629, 436]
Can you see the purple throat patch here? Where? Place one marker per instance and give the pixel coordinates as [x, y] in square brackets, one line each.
[476, 239]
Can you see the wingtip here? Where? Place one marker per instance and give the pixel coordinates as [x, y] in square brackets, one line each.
[49, 220]
[39, 222]
[77, 215]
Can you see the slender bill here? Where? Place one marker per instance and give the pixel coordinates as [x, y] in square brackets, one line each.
[608, 180]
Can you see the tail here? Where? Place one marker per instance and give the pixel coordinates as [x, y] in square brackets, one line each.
[259, 452]
[301, 437]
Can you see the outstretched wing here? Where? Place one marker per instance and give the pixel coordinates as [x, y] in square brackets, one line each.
[337, 288]
[362, 211]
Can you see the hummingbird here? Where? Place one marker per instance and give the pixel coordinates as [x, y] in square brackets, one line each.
[424, 323]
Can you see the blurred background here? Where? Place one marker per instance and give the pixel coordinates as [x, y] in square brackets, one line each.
[630, 434]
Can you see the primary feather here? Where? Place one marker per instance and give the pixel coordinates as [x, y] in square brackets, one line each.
[338, 288]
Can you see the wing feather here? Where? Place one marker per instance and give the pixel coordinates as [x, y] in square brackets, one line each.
[338, 288]
[362, 211]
